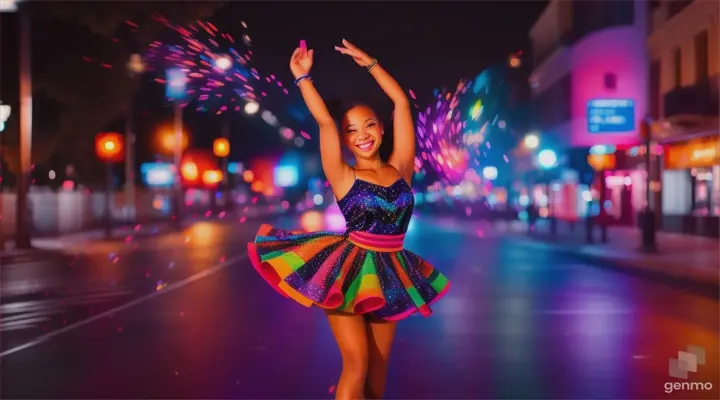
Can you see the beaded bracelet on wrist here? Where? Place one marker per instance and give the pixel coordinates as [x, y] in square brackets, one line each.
[302, 78]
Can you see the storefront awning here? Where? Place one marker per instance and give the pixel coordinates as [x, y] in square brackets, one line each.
[685, 127]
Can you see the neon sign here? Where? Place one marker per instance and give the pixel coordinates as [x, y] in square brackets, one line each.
[158, 174]
[610, 115]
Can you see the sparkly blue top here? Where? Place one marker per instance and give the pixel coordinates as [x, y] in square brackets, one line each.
[383, 210]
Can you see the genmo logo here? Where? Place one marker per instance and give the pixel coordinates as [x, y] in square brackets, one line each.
[687, 361]
[683, 386]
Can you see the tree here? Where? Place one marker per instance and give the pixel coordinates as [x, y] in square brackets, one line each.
[79, 62]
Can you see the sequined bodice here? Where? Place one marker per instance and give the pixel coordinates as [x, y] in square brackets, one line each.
[383, 210]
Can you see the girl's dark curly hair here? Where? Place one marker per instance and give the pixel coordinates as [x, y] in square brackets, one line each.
[338, 108]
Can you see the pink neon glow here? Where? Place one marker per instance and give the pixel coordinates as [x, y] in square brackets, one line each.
[620, 51]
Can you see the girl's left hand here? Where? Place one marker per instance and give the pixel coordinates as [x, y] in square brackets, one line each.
[361, 58]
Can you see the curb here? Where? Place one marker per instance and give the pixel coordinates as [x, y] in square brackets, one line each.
[160, 227]
[707, 284]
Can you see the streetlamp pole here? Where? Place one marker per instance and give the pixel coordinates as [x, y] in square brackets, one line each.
[109, 148]
[178, 126]
[130, 162]
[135, 68]
[109, 192]
[225, 63]
[227, 198]
[175, 91]
[22, 214]
[649, 242]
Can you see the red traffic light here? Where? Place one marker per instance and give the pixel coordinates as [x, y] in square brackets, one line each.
[109, 147]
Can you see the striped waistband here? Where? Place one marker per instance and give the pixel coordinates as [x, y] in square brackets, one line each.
[375, 242]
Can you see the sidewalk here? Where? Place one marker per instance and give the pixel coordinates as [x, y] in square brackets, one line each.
[126, 232]
[69, 265]
[683, 257]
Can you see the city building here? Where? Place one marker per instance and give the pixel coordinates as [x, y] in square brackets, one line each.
[684, 48]
[589, 91]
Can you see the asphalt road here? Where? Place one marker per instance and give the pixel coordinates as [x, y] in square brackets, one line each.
[196, 321]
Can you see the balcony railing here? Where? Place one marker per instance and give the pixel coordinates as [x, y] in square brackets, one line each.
[698, 99]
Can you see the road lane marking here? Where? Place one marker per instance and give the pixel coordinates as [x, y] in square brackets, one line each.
[169, 288]
[61, 302]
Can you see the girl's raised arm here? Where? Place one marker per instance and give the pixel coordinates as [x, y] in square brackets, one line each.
[336, 170]
[403, 155]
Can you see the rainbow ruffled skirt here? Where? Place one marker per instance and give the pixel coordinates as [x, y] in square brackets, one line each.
[358, 273]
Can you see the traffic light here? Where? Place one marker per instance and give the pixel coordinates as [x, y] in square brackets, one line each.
[109, 147]
[221, 147]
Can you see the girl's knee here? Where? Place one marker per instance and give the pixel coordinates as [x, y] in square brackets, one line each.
[356, 363]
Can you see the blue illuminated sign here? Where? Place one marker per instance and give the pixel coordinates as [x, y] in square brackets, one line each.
[236, 168]
[175, 83]
[611, 115]
[158, 174]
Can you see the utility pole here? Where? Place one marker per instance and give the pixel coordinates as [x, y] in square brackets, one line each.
[649, 242]
[135, 67]
[23, 219]
[227, 195]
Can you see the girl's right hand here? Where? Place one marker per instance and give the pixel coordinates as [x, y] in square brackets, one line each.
[301, 62]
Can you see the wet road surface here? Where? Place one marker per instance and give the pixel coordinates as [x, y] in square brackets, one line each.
[518, 322]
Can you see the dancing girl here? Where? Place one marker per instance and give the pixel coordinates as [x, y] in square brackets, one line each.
[364, 279]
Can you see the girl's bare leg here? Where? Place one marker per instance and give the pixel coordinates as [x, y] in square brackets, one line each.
[351, 336]
[380, 335]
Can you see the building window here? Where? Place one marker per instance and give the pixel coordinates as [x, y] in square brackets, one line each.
[610, 81]
[701, 56]
[590, 16]
[619, 12]
[677, 62]
[553, 106]
[655, 89]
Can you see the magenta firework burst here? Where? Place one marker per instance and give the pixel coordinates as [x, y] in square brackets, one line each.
[439, 129]
[454, 131]
[218, 67]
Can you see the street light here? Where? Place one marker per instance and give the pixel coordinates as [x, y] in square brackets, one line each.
[223, 62]
[547, 159]
[189, 171]
[601, 159]
[531, 141]
[109, 149]
[251, 107]
[135, 64]
[514, 61]
[212, 177]
[166, 138]
[490, 173]
[221, 147]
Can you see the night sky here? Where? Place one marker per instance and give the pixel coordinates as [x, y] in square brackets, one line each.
[424, 45]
